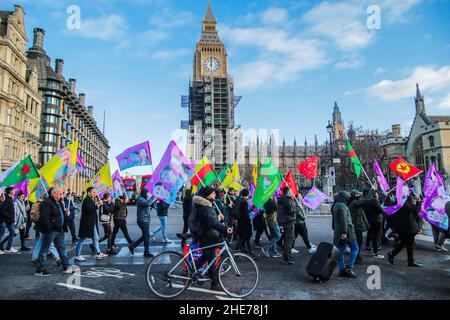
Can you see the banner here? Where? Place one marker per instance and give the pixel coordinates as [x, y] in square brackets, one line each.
[118, 185]
[404, 169]
[308, 168]
[289, 181]
[354, 159]
[102, 181]
[6, 173]
[401, 194]
[432, 180]
[23, 186]
[23, 171]
[204, 174]
[80, 164]
[433, 208]
[233, 180]
[268, 183]
[61, 166]
[315, 198]
[384, 185]
[136, 156]
[37, 189]
[172, 173]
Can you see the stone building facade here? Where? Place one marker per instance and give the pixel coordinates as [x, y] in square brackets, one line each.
[65, 116]
[20, 101]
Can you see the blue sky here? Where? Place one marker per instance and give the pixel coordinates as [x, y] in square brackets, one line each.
[290, 60]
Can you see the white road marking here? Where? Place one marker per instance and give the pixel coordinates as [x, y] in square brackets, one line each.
[199, 289]
[227, 298]
[71, 286]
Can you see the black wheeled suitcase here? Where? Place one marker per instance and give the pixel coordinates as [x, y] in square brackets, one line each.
[323, 262]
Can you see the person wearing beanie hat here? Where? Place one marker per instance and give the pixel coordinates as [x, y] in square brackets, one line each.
[7, 220]
[207, 230]
[245, 192]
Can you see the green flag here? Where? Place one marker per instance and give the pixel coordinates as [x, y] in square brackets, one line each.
[354, 159]
[23, 171]
[225, 173]
[268, 183]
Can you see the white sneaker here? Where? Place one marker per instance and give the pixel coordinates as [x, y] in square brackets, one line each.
[294, 251]
[12, 250]
[276, 255]
[378, 256]
[152, 236]
[80, 258]
[69, 270]
[2, 252]
[101, 255]
[312, 250]
[167, 241]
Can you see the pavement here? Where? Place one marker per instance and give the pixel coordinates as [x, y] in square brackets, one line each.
[122, 276]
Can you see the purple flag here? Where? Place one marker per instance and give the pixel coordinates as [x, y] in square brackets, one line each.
[380, 177]
[315, 198]
[401, 193]
[432, 180]
[433, 208]
[118, 185]
[23, 186]
[80, 164]
[135, 156]
[173, 171]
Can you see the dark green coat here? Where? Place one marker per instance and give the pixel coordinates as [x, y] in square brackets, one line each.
[342, 219]
[359, 218]
[299, 215]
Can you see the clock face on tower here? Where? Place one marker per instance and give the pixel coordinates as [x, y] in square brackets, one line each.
[212, 64]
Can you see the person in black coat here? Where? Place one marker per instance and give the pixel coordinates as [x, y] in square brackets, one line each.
[405, 222]
[375, 214]
[51, 220]
[7, 219]
[286, 219]
[107, 211]
[88, 225]
[207, 230]
[244, 229]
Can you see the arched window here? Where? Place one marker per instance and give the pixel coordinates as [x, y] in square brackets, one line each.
[418, 153]
[431, 140]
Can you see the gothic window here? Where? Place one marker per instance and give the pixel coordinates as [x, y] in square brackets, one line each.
[431, 140]
[418, 153]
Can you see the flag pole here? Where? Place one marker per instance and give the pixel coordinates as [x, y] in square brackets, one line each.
[201, 181]
[403, 181]
[367, 177]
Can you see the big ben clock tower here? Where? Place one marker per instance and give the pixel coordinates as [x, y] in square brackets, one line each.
[211, 130]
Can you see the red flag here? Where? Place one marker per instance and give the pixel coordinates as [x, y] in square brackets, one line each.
[290, 182]
[404, 169]
[308, 168]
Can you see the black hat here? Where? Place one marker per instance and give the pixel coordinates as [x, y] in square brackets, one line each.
[8, 190]
[205, 192]
[286, 190]
[245, 193]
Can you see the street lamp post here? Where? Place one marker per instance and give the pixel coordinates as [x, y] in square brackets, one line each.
[330, 131]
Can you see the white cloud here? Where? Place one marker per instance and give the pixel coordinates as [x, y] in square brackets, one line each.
[343, 23]
[274, 16]
[397, 11]
[429, 79]
[353, 63]
[110, 27]
[169, 54]
[379, 71]
[445, 103]
[282, 57]
[170, 18]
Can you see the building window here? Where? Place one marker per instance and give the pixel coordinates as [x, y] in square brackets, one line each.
[431, 140]
[8, 118]
[6, 148]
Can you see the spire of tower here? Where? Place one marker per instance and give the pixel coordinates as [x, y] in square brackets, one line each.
[209, 16]
[419, 100]
[418, 93]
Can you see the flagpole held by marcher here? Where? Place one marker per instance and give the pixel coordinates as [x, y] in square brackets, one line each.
[201, 181]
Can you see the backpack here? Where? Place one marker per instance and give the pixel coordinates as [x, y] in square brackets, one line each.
[34, 213]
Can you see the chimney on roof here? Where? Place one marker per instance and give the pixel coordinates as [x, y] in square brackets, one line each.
[59, 67]
[38, 39]
[72, 85]
[91, 111]
[82, 98]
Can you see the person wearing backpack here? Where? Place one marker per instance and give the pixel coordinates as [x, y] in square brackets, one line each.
[207, 230]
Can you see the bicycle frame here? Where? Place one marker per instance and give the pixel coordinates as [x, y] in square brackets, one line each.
[224, 248]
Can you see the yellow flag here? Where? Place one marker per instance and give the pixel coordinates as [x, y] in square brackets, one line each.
[102, 181]
[36, 190]
[233, 180]
[61, 166]
[255, 173]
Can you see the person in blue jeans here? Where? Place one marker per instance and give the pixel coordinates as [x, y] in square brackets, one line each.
[51, 227]
[344, 234]
[143, 208]
[271, 208]
[162, 209]
[52, 251]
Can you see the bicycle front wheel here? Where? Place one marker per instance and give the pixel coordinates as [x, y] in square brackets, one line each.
[243, 277]
[167, 275]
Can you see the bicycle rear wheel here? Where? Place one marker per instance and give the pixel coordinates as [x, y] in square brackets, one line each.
[164, 272]
[242, 280]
